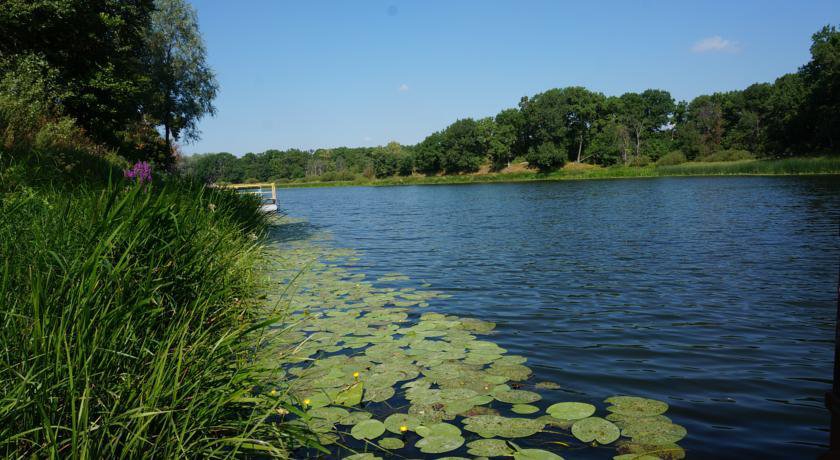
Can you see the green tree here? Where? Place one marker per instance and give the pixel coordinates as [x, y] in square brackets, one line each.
[183, 85]
[461, 147]
[546, 156]
[822, 75]
[645, 114]
[94, 47]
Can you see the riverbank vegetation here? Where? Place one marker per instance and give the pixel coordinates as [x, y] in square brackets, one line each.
[130, 297]
[795, 116]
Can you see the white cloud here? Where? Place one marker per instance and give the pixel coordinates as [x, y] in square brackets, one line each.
[403, 88]
[714, 44]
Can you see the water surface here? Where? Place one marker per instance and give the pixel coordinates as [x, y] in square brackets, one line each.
[716, 295]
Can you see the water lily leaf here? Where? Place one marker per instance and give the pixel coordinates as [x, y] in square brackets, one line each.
[636, 406]
[488, 426]
[364, 456]
[368, 429]
[664, 452]
[535, 454]
[556, 422]
[350, 396]
[636, 457]
[623, 421]
[439, 444]
[354, 418]
[438, 429]
[595, 429]
[332, 414]
[391, 443]
[516, 396]
[379, 394]
[394, 421]
[489, 448]
[657, 432]
[570, 410]
[547, 386]
[524, 409]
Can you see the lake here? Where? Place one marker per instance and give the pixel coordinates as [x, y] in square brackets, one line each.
[717, 295]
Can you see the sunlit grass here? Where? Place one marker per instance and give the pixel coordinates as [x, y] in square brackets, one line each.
[787, 166]
[129, 323]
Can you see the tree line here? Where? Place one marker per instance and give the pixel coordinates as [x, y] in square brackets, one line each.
[798, 114]
[107, 77]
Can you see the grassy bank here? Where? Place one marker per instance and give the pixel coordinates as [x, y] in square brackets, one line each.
[788, 166]
[130, 322]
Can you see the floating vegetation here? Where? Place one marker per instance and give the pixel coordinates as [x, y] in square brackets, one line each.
[373, 370]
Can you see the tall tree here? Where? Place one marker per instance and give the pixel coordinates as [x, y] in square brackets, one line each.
[95, 48]
[822, 75]
[183, 85]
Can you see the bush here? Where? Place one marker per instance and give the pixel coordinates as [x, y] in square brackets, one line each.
[672, 158]
[335, 176]
[125, 323]
[728, 155]
[546, 157]
[641, 160]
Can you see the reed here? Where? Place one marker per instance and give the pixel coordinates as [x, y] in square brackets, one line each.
[129, 324]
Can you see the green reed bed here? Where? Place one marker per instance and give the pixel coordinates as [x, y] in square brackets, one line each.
[129, 324]
[786, 166]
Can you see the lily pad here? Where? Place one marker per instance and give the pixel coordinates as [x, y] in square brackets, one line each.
[394, 421]
[547, 386]
[663, 452]
[535, 454]
[595, 429]
[368, 429]
[354, 418]
[636, 406]
[439, 444]
[657, 432]
[391, 443]
[438, 429]
[516, 396]
[363, 456]
[489, 448]
[524, 409]
[571, 410]
[350, 396]
[488, 426]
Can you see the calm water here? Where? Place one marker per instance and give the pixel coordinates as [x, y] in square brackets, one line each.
[716, 295]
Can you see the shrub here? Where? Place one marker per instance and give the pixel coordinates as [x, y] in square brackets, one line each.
[728, 155]
[672, 158]
[546, 156]
[640, 160]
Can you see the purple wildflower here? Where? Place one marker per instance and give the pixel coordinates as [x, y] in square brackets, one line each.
[141, 172]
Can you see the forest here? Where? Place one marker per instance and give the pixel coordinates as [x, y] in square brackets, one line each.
[796, 115]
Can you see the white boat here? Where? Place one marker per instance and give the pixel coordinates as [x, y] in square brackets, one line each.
[267, 193]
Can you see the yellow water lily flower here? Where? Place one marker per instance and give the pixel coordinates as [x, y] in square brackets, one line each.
[355, 375]
[403, 429]
[306, 402]
[273, 392]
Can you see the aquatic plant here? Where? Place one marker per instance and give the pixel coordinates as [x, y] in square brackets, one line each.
[429, 378]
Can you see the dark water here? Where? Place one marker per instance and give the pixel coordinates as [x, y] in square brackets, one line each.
[716, 295]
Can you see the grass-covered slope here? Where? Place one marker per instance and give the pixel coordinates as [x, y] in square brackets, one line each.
[128, 322]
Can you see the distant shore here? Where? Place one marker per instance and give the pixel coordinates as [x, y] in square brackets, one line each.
[780, 167]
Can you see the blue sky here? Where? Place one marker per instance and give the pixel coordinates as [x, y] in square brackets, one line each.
[309, 74]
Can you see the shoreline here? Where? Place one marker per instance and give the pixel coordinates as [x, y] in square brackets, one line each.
[756, 168]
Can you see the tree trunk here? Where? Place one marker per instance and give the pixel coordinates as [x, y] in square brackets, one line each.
[580, 147]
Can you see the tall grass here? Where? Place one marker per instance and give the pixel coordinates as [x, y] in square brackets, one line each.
[126, 324]
[787, 166]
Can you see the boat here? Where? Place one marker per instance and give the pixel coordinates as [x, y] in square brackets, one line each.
[266, 191]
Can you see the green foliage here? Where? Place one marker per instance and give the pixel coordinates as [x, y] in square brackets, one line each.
[114, 342]
[728, 155]
[546, 157]
[675, 157]
[183, 86]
